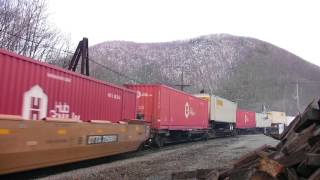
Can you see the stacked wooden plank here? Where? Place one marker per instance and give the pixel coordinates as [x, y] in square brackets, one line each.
[297, 155]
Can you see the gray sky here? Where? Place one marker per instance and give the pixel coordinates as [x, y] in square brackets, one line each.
[289, 24]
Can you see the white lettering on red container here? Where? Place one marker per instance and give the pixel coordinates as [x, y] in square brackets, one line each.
[188, 110]
[141, 107]
[62, 110]
[114, 96]
[35, 103]
[143, 94]
[58, 77]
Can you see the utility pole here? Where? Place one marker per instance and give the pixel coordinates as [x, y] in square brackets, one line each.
[182, 80]
[182, 85]
[297, 96]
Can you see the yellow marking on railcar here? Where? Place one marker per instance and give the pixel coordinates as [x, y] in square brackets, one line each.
[62, 131]
[5, 131]
[205, 98]
[219, 102]
[99, 131]
[123, 129]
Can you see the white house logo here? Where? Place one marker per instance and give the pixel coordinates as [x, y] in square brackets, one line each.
[35, 104]
[188, 111]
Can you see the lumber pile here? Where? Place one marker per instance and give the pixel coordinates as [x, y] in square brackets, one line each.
[297, 155]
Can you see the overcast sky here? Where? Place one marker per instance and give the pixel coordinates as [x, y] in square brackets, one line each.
[292, 25]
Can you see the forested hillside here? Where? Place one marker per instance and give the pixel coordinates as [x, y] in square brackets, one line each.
[246, 70]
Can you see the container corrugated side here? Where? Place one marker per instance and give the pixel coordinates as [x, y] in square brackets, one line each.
[262, 120]
[186, 111]
[36, 90]
[168, 108]
[223, 110]
[147, 101]
[206, 97]
[245, 119]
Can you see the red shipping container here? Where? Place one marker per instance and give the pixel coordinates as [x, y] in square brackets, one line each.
[168, 108]
[245, 119]
[37, 90]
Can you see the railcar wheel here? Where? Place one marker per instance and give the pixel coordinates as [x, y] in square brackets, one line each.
[235, 132]
[205, 137]
[159, 141]
[141, 147]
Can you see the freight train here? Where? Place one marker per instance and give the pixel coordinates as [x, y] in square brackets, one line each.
[51, 116]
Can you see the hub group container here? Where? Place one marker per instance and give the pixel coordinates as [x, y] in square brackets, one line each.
[36, 90]
[167, 108]
[31, 90]
[246, 119]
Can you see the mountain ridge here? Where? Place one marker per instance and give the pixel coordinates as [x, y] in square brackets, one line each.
[238, 68]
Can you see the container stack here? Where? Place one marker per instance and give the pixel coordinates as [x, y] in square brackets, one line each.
[297, 155]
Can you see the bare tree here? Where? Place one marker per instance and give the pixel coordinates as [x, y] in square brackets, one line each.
[24, 29]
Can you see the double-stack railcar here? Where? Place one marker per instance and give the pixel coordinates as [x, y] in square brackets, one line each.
[173, 115]
[51, 116]
[36, 90]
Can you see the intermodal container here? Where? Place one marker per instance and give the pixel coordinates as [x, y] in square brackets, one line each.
[167, 108]
[36, 90]
[289, 120]
[220, 109]
[262, 120]
[277, 117]
[245, 119]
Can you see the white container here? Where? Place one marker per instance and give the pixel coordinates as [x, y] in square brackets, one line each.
[221, 110]
[280, 128]
[262, 120]
[277, 117]
[289, 120]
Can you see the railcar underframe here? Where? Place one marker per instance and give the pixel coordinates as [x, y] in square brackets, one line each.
[29, 144]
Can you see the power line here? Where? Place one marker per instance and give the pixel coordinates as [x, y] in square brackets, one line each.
[122, 74]
[114, 71]
[71, 53]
